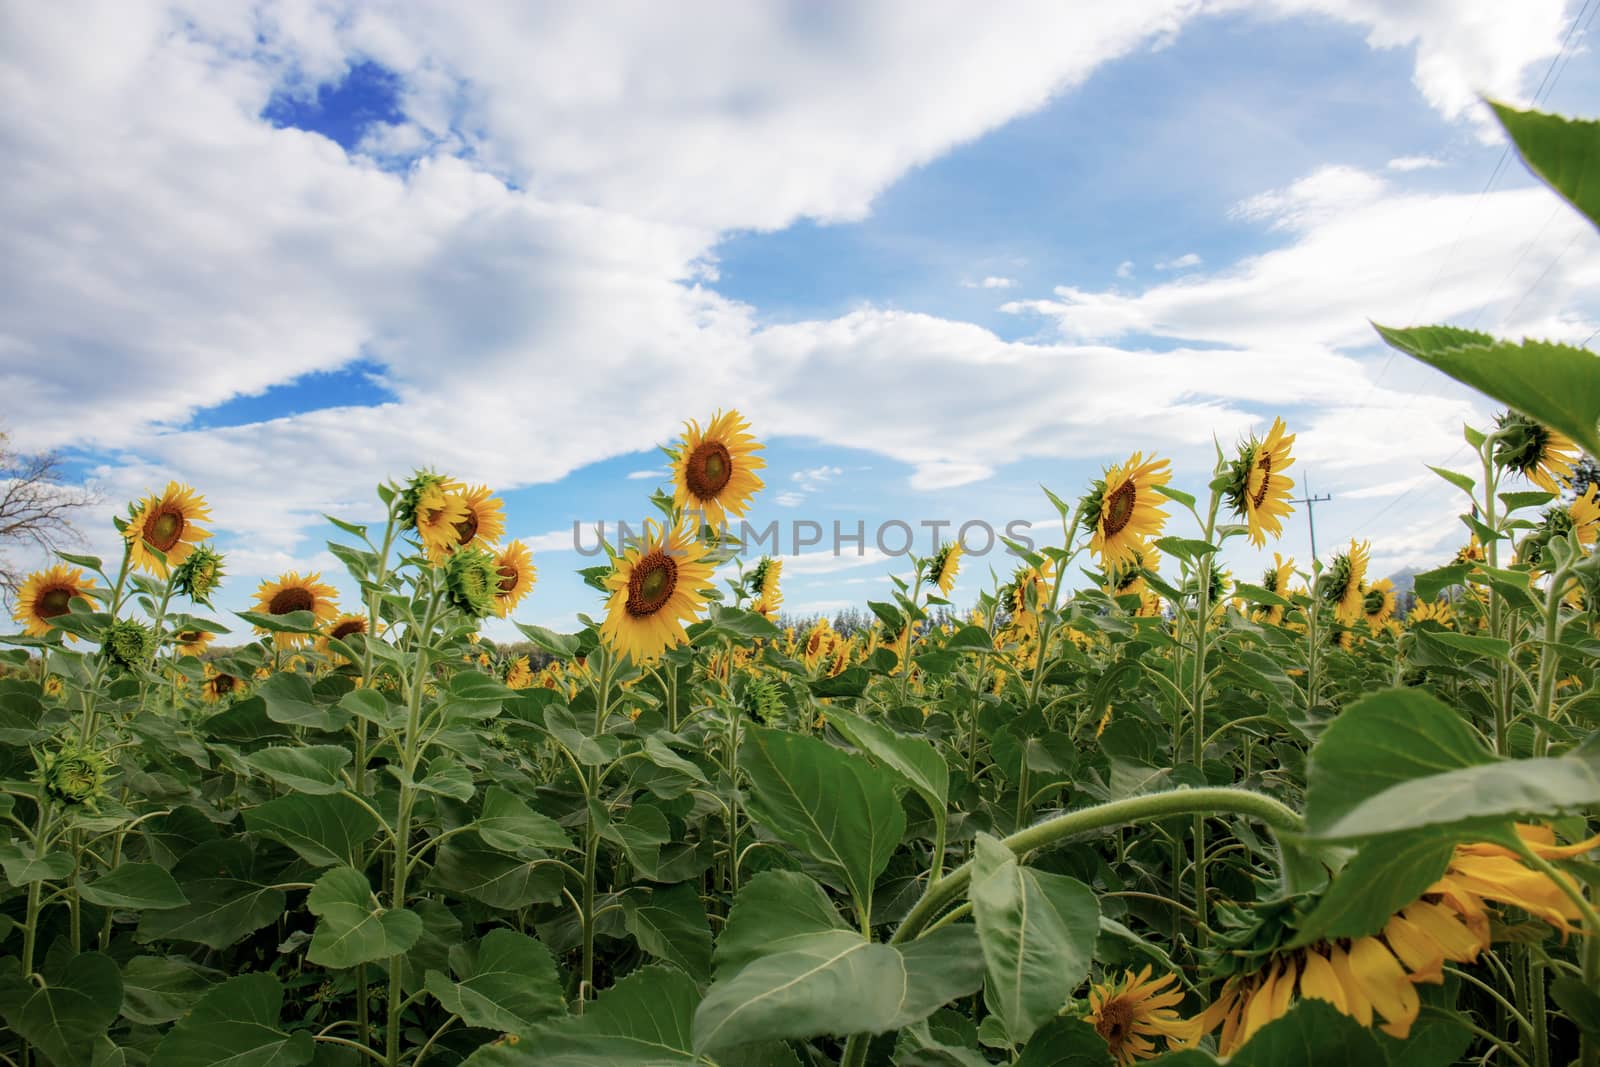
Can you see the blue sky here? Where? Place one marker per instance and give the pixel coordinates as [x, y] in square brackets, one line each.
[937, 261]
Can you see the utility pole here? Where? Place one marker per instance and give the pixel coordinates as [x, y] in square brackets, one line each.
[1311, 502]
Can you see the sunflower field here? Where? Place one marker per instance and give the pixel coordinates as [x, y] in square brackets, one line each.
[1130, 807]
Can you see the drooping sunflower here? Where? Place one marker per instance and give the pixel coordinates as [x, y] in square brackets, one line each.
[519, 675]
[1535, 451]
[944, 567]
[1377, 604]
[514, 565]
[193, 642]
[485, 522]
[220, 686]
[290, 592]
[1128, 577]
[656, 586]
[1257, 490]
[713, 473]
[49, 593]
[762, 584]
[819, 644]
[1343, 583]
[198, 576]
[168, 523]
[1123, 509]
[1438, 611]
[439, 515]
[1129, 1012]
[1276, 580]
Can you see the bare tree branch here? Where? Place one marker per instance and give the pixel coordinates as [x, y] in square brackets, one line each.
[36, 508]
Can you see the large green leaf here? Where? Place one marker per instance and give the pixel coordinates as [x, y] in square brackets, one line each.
[1564, 152]
[1312, 1034]
[1065, 1042]
[670, 923]
[464, 865]
[63, 1017]
[306, 769]
[351, 928]
[840, 809]
[508, 824]
[236, 1024]
[1401, 759]
[158, 989]
[134, 885]
[775, 911]
[1037, 931]
[505, 982]
[1557, 384]
[290, 700]
[325, 830]
[227, 900]
[22, 867]
[915, 760]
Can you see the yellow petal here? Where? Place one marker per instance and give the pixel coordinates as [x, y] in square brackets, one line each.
[1357, 1004]
[1384, 982]
[1421, 954]
[1459, 943]
[1319, 982]
[1258, 1012]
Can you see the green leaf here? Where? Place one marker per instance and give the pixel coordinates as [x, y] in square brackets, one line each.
[1065, 1042]
[1311, 1034]
[158, 989]
[227, 900]
[464, 865]
[507, 982]
[289, 700]
[1518, 501]
[1460, 481]
[1177, 495]
[1554, 383]
[22, 867]
[1401, 759]
[325, 830]
[294, 622]
[1564, 153]
[347, 527]
[913, 759]
[1429, 584]
[353, 929]
[1257, 595]
[775, 911]
[310, 769]
[670, 924]
[134, 885]
[508, 824]
[236, 1024]
[850, 682]
[1581, 1003]
[1384, 876]
[836, 807]
[66, 1015]
[1037, 932]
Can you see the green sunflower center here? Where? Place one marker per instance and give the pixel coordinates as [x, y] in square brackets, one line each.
[1373, 603]
[57, 600]
[651, 584]
[295, 598]
[1117, 509]
[708, 470]
[164, 528]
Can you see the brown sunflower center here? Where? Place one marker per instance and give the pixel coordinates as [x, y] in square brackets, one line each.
[164, 528]
[56, 600]
[651, 584]
[1116, 1016]
[1264, 465]
[224, 683]
[1117, 510]
[348, 627]
[467, 528]
[188, 637]
[508, 577]
[294, 598]
[708, 470]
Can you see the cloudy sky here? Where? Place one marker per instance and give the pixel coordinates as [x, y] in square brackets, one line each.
[938, 253]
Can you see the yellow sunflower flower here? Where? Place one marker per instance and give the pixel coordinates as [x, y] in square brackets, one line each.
[1029, 591]
[656, 586]
[220, 686]
[1128, 577]
[345, 625]
[1377, 604]
[819, 644]
[1129, 1012]
[714, 470]
[193, 642]
[1344, 581]
[49, 593]
[514, 565]
[440, 515]
[946, 564]
[1276, 580]
[519, 675]
[166, 523]
[1585, 515]
[1535, 451]
[485, 521]
[290, 592]
[1124, 509]
[762, 584]
[1258, 492]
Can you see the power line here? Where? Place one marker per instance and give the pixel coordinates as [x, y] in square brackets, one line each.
[1311, 503]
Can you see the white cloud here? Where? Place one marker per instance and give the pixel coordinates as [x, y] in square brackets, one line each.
[790, 499]
[634, 476]
[1125, 269]
[991, 282]
[1183, 262]
[1410, 163]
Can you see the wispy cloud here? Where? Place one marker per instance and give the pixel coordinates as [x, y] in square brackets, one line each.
[1183, 262]
[991, 282]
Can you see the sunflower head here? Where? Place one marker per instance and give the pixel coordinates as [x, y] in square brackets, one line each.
[944, 566]
[1535, 451]
[762, 700]
[74, 774]
[1123, 509]
[1343, 583]
[163, 528]
[129, 644]
[1276, 580]
[472, 578]
[518, 674]
[656, 585]
[290, 593]
[485, 521]
[762, 584]
[1130, 1011]
[1127, 578]
[1438, 611]
[220, 687]
[193, 642]
[200, 575]
[1377, 604]
[1257, 490]
[47, 594]
[713, 470]
[435, 509]
[514, 576]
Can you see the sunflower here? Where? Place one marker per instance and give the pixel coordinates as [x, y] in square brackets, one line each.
[345, 625]
[819, 644]
[198, 576]
[1276, 580]
[49, 593]
[472, 582]
[53, 686]
[1028, 592]
[220, 686]
[656, 586]
[289, 592]
[1128, 577]
[1584, 514]
[944, 567]
[714, 469]
[1344, 581]
[1123, 509]
[193, 642]
[1257, 490]
[440, 515]
[1128, 1012]
[1438, 611]
[1485, 871]
[762, 584]
[1471, 552]
[166, 523]
[519, 675]
[514, 565]
[1377, 603]
[1535, 451]
[485, 522]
